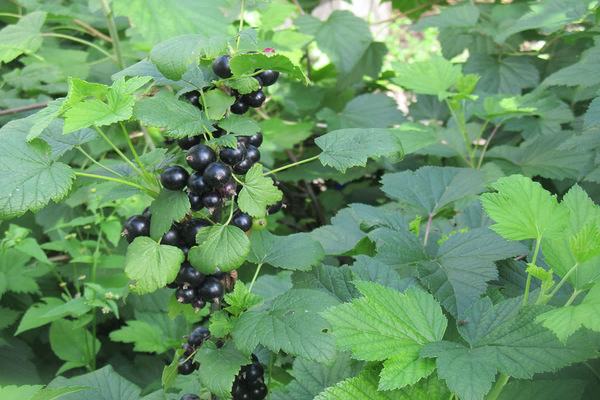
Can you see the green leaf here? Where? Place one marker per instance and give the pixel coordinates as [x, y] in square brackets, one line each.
[22, 37]
[104, 384]
[171, 205]
[145, 337]
[220, 323]
[502, 338]
[180, 118]
[567, 320]
[60, 143]
[240, 125]
[370, 110]
[373, 270]
[463, 15]
[244, 85]
[72, 343]
[258, 193]
[51, 394]
[345, 148]
[245, 64]
[543, 389]
[580, 73]
[433, 188]
[216, 103]
[592, 116]
[342, 235]
[335, 281]
[292, 324]
[170, 371]
[24, 392]
[434, 76]
[241, 299]
[522, 209]
[225, 363]
[7, 317]
[275, 250]
[508, 75]
[388, 325]
[152, 265]
[173, 56]
[35, 315]
[157, 20]
[13, 276]
[28, 177]
[225, 247]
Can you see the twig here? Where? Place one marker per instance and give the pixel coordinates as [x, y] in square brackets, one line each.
[92, 31]
[24, 108]
[63, 257]
[310, 191]
[300, 9]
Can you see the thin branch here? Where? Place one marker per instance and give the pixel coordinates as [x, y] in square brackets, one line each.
[310, 191]
[24, 108]
[300, 9]
[93, 31]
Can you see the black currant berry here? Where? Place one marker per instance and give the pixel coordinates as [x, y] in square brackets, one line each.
[216, 174]
[258, 393]
[195, 201]
[169, 141]
[185, 248]
[274, 208]
[194, 98]
[146, 213]
[211, 199]
[242, 221]
[243, 166]
[198, 304]
[238, 390]
[174, 177]
[135, 226]
[188, 350]
[173, 237]
[218, 132]
[256, 139]
[254, 99]
[191, 229]
[173, 285]
[199, 156]
[268, 77]
[252, 153]
[185, 367]
[190, 275]
[211, 289]
[221, 66]
[239, 107]
[253, 371]
[245, 140]
[227, 190]
[187, 142]
[185, 296]
[232, 156]
[218, 274]
[196, 184]
[190, 396]
[198, 336]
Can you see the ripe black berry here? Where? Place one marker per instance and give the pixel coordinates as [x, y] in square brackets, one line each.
[211, 200]
[218, 274]
[221, 66]
[232, 156]
[218, 131]
[227, 190]
[190, 275]
[196, 184]
[258, 393]
[254, 99]
[185, 248]
[242, 221]
[198, 336]
[185, 296]
[268, 77]
[260, 83]
[174, 177]
[195, 201]
[169, 141]
[190, 396]
[194, 98]
[256, 139]
[146, 213]
[216, 174]
[245, 140]
[253, 371]
[173, 237]
[187, 142]
[211, 289]
[191, 229]
[199, 156]
[274, 208]
[239, 107]
[198, 304]
[252, 153]
[185, 367]
[243, 166]
[238, 391]
[135, 226]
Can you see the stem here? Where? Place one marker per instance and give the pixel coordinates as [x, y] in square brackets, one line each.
[290, 165]
[237, 41]
[485, 146]
[11, 15]
[112, 30]
[92, 31]
[538, 241]
[124, 182]
[230, 211]
[502, 379]
[75, 39]
[135, 154]
[592, 369]
[573, 297]
[258, 267]
[462, 127]
[563, 280]
[119, 152]
[24, 108]
[94, 267]
[427, 229]
[104, 167]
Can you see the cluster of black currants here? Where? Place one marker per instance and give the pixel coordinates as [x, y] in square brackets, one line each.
[186, 364]
[249, 384]
[254, 99]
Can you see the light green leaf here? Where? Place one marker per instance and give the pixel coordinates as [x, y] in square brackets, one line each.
[522, 209]
[275, 250]
[28, 177]
[104, 384]
[22, 37]
[34, 316]
[170, 373]
[72, 343]
[173, 56]
[217, 103]
[565, 321]
[13, 276]
[464, 15]
[25, 392]
[258, 193]
[241, 299]
[244, 64]
[171, 205]
[44, 117]
[225, 363]
[240, 125]
[225, 247]
[508, 75]
[292, 324]
[151, 265]
[434, 76]
[433, 188]
[386, 324]
[220, 323]
[370, 110]
[51, 394]
[335, 281]
[342, 235]
[347, 148]
[145, 337]
[244, 85]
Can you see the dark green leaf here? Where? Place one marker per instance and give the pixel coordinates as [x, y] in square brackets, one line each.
[170, 206]
[225, 363]
[275, 250]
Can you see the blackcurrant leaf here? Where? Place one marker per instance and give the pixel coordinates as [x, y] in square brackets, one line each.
[275, 250]
[171, 205]
[222, 246]
[258, 193]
